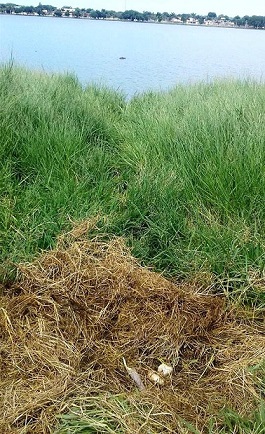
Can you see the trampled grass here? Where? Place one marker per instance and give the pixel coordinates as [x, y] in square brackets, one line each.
[180, 175]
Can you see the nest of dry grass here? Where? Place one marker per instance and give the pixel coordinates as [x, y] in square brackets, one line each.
[75, 312]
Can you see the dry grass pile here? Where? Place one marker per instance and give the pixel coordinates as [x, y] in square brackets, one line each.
[77, 311]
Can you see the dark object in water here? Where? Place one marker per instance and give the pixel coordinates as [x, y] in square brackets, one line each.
[122, 58]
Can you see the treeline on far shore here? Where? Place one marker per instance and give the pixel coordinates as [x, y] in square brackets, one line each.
[254, 21]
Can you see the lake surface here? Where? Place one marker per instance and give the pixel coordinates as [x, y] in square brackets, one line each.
[157, 56]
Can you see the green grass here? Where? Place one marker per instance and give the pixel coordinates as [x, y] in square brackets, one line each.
[180, 174]
[119, 415]
[99, 414]
[233, 423]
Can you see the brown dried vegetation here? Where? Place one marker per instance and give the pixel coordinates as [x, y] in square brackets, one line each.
[75, 312]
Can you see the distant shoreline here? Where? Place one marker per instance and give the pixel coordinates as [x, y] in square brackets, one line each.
[221, 26]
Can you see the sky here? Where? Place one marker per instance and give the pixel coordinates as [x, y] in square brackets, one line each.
[226, 7]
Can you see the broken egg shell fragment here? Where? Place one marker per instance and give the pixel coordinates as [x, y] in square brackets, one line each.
[155, 378]
[164, 369]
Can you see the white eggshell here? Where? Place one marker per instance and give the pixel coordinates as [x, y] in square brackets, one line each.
[164, 369]
[155, 378]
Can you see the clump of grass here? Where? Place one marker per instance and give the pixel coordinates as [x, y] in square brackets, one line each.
[108, 414]
[111, 414]
[196, 155]
[234, 423]
[57, 146]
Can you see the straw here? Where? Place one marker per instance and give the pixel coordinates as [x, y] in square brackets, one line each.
[77, 312]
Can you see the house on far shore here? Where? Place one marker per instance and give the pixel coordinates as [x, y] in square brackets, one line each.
[68, 11]
[192, 20]
[176, 20]
[222, 22]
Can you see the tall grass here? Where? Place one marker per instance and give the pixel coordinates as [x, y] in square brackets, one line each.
[56, 156]
[198, 157]
[180, 174]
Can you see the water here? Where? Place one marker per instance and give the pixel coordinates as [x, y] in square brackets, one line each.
[157, 56]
